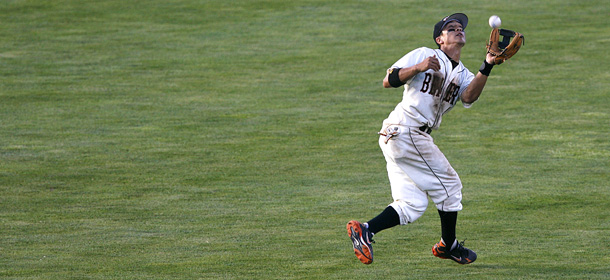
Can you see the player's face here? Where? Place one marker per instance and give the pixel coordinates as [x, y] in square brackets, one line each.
[454, 34]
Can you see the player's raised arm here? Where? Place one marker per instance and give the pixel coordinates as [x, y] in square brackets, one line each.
[474, 90]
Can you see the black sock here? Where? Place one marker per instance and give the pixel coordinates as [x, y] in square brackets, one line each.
[387, 219]
[448, 222]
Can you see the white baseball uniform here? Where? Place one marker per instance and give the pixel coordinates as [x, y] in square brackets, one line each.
[416, 166]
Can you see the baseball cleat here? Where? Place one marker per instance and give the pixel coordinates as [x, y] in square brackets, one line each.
[361, 239]
[459, 254]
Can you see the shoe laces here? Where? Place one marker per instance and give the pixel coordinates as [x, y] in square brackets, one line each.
[460, 247]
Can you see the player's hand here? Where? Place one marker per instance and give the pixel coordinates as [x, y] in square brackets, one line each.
[430, 62]
[490, 58]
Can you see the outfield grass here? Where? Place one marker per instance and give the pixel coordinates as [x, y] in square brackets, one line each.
[235, 139]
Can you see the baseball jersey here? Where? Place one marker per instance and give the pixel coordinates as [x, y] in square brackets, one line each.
[430, 94]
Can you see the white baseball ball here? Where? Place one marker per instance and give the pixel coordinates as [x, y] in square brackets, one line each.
[494, 21]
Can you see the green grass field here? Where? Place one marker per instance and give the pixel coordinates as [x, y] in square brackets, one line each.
[235, 139]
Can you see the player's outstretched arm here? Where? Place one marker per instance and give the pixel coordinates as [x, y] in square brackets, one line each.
[474, 90]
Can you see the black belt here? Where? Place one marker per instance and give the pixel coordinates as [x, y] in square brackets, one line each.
[426, 129]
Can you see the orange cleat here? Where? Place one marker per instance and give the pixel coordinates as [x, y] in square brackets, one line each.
[361, 239]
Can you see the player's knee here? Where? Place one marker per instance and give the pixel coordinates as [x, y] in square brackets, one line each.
[451, 204]
[409, 212]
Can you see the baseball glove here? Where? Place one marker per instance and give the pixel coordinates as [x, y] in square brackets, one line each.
[505, 49]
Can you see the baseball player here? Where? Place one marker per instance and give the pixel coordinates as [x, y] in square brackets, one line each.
[434, 81]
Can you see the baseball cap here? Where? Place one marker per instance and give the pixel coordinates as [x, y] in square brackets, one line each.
[459, 17]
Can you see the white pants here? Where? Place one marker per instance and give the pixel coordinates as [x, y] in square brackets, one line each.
[417, 169]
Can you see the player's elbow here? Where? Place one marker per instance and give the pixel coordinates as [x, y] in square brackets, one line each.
[469, 99]
[472, 93]
[386, 83]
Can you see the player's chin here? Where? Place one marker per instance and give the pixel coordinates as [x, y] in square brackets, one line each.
[460, 40]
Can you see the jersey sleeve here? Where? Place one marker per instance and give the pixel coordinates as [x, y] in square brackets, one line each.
[414, 57]
[467, 79]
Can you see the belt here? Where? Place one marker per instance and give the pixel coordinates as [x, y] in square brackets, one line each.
[426, 129]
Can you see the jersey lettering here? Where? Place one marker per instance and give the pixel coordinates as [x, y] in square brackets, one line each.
[426, 84]
[452, 93]
[437, 86]
[433, 85]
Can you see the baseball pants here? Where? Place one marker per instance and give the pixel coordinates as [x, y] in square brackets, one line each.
[417, 169]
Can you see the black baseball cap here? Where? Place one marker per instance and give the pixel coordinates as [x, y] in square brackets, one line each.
[459, 17]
